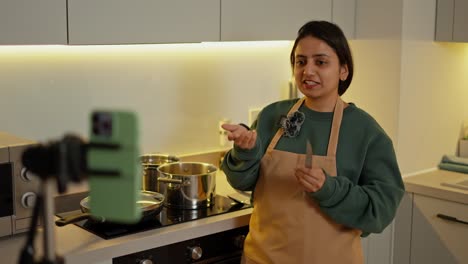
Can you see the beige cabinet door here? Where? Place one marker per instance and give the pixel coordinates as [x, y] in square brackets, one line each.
[142, 21]
[452, 21]
[460, 21]
[437, 240]
[344, 15]
[444, 20]
[26, 22]
[245, 20]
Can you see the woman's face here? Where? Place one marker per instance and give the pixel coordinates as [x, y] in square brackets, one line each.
[317, 69]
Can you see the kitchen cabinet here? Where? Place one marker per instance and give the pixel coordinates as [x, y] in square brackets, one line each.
[244, 20]
[451, 20]
[344, 15]
[142, 21]
[87, 22]
[402, 230]
[25, 22]
[436, 240]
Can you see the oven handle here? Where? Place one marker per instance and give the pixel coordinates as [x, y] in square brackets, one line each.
[451, 218]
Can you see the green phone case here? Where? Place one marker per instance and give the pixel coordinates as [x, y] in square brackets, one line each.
[114, 197]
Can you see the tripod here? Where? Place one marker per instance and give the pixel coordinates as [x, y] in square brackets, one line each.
[55, 164]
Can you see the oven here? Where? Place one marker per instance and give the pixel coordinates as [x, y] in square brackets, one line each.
[221, 248]
[18, 188]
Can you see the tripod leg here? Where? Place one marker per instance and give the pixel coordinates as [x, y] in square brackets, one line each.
[48, 185]
[27, 253]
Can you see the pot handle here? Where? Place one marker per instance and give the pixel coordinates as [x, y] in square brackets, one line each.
[72, 219]
[167, 180]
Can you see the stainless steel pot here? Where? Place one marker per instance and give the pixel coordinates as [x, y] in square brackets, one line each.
[188, 185]
[150, 164]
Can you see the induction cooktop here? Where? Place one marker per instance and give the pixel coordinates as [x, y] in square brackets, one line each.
[167, 217]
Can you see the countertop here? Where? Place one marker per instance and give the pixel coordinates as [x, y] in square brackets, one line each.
[430, 183]
[79, 246]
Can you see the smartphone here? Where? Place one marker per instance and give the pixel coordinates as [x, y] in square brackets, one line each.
[114, 168]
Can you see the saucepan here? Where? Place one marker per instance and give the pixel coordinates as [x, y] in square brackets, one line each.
[188, 185]
[150, 164]
[151, 204]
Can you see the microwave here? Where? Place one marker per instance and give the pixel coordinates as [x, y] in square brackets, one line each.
[18, 187]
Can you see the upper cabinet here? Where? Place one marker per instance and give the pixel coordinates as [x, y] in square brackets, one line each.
[26, 22]
[451, 20]
[142, 21]
[88, 22]
[344, 15]
[243, 20]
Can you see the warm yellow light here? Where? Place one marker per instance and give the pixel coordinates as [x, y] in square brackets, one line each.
[465, 46]
[46, 50]
[202, 52]
[31, 49]
[248, 44]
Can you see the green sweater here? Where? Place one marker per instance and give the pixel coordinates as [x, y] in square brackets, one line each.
[368, 188]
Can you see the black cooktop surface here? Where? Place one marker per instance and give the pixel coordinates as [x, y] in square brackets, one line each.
[167, 217]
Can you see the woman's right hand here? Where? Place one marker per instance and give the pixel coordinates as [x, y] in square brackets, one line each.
[242, 137]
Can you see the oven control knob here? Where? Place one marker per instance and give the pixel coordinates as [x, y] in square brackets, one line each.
[26, 175]
[239, 241]
[28, 199]
[195, 252]
[145, 261]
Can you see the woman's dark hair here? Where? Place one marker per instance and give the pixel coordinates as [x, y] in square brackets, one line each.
[335, 38]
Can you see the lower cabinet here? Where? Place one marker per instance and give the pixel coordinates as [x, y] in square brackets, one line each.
[435, 240]
[377, 248]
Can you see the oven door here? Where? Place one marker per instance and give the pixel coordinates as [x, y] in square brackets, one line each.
[6, 193]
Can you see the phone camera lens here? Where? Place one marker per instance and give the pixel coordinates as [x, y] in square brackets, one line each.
[102, 124]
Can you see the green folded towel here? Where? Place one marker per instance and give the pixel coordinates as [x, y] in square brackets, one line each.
[453, 167]
[455, 160]
[454, 163]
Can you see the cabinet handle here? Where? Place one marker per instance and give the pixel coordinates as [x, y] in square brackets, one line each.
[451, 218]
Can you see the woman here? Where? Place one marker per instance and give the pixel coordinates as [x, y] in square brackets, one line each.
[317, 213]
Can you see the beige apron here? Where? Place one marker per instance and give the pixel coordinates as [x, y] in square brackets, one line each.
[286, 225]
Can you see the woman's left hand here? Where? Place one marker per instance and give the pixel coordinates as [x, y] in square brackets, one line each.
[311, 179]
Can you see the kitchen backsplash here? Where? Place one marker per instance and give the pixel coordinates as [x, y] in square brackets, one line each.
[179, 91]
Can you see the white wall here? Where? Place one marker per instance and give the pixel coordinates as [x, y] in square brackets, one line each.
[434, 94]
[179, 91]
[376, 84]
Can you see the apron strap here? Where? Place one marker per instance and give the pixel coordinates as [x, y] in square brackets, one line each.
[279, 133]
[335, 129]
